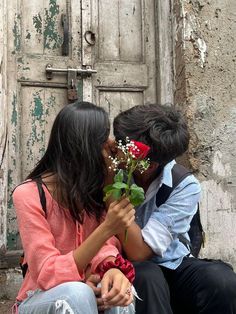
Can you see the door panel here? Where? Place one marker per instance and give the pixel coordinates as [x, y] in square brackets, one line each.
[117, 101]
[124, 52]
[36, 120]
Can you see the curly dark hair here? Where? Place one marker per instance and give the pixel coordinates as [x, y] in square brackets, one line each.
[161, 127]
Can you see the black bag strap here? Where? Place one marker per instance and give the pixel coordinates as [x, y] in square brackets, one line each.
[42, 196]
[179, 173]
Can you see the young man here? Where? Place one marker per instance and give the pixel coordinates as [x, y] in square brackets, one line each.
[168, 278]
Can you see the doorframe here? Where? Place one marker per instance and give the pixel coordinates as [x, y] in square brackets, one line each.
[3, 127]
[164, 51]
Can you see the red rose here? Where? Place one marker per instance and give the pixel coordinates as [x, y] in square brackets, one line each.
[139, 150]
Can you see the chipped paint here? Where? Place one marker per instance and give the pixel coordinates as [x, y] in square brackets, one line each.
[14, 111]
[202, 49]
[52, 39]
[38, 106]
[37, 22]
[50, 104]
[191, 33]
[17, 34]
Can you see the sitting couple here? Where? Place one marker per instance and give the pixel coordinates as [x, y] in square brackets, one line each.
[72, 240]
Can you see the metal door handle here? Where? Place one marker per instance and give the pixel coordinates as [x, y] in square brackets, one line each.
[90, 38]
[65, 26]
[82, 72]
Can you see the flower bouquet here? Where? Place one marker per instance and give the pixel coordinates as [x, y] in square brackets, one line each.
[133, 157]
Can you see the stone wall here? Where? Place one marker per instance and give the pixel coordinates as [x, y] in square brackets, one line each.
[204, 79]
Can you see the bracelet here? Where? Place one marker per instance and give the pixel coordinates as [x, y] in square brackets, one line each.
[120, 263]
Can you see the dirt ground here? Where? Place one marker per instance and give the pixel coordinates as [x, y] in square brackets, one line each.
[5, 306]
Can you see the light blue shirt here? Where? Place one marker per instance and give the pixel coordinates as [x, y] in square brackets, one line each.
[162, 225]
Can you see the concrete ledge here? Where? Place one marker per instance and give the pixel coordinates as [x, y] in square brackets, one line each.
[10, 282]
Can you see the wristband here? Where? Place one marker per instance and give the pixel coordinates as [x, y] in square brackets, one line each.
[120, 263]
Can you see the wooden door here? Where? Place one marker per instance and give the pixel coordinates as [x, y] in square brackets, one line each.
[115, 37]
[122, 51]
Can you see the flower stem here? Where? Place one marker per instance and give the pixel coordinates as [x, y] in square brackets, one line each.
[128, 191]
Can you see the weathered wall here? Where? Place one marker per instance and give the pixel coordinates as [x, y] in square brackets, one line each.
[205, 76]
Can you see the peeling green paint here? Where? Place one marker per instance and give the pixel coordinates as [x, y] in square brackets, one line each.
[37, 22]
[26, 68]
[17, 34]
[14, 111]
[50, 104]
[38, 106]
[37, 134]
[10, 181]
[13, 140]
[52, 39]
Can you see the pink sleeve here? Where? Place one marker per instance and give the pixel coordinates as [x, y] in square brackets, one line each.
[111, 248]
[47, 266]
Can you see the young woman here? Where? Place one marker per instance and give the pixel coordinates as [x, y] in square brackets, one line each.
[73, 238]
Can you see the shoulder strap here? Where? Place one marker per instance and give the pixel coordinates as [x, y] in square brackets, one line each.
[179, 173]
[42, 196]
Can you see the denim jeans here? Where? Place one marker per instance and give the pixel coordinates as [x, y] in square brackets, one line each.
[67, 298]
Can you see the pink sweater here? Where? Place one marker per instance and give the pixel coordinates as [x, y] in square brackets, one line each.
[48, 242]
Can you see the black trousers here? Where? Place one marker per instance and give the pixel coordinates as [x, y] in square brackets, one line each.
[197, 286]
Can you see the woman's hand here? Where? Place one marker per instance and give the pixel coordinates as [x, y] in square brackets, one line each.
[115, 289]
[120, 216]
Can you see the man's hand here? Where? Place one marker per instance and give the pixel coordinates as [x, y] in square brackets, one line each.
[115, 289]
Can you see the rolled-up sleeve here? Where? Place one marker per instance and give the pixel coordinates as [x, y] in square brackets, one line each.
[173, 217]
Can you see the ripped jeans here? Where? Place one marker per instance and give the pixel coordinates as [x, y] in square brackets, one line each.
[67, 298]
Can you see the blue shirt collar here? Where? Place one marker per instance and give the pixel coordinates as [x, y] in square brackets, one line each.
[167, 175]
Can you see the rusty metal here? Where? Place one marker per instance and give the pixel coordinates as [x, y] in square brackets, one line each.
[81, 72]
[72, 93]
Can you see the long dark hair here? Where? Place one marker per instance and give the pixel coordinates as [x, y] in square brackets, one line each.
[161, 127]
[74, 155]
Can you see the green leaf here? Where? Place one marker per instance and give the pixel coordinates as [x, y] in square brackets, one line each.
[119, 177]
[135, 187]
[136, 195]
[107, 188]
[116, 193]
[120, 185]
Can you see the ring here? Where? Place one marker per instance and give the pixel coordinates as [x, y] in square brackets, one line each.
[128, 291]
